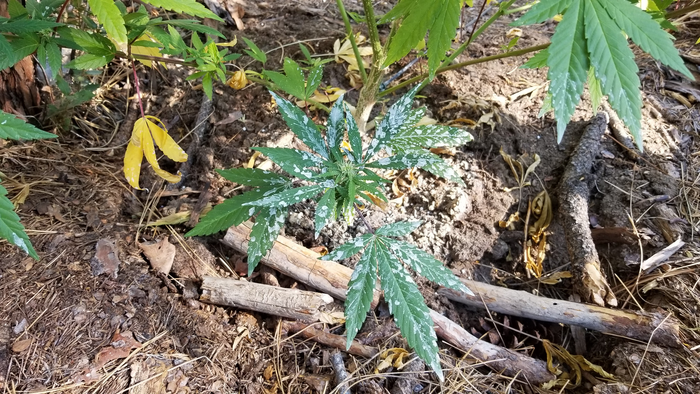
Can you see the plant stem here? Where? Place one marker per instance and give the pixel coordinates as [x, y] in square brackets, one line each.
[60, 12]
[682, 11]
[351, 37]
[138, 89]
[364, 221]
[464, 64]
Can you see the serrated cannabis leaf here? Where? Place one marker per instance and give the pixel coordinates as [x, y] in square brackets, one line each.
[145, 133]
[111, 19]
[231, 212]
[426, 265]
[349, 249]
[405, 160]
[537, 61]
[190, 7]
[325, 211]
[646, 33]
[287, 197]
[398, 229]
[407, 305]
[392, 123]
[568, 65]
[541, 11]
[301, 125]
[614, 66]
[429, 136]
[13, 128]
[594, 90]
[295, 162]
[354, 136]
[263, 234]
[360, 292]
[25, 26]
[253, 177]
[10, 227]
[254, 51]
[440, 18]
[335, 129]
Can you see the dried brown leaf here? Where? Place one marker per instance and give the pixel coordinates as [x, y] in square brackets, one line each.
[160, 254]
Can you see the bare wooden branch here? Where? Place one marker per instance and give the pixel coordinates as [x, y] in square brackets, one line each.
[643, 326]
[298, 262]
[573, 210]
[337, 341]
[303, 265]
[278, 301]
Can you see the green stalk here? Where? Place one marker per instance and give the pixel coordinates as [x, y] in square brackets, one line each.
[351, 37]
[464, 64]
[272, 86]
[682, 11]
[368, 93]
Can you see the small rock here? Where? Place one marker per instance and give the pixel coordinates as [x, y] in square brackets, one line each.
[106, 259]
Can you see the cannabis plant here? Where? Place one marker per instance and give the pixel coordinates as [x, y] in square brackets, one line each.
[343, 175]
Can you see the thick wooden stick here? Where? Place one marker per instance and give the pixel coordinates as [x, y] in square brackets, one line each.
[278, 301]
[654, 326]
[590, 281]
[303, 265]
[298, 262]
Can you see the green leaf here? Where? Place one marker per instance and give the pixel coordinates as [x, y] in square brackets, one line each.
[594, 90]
[646, 33]
[440, 17]
[405, 160]
[354, 136]
[23, 47]
[568, 64]
[208, 85]
[407, 305]
[360, 293]
[92, 43]
[10, 227]
[546, 105]
[230, 212]
[191, 24]
[442, 32]
[295, 162]
[349, 249]
[398, 229]
[15, 9]
[335, 129]
[43, 8]
[426, 265]
[429, 136]
[288, 197]
[537, 61]
[315, 75]
[254, 177]
[541, 11]
[392, 123]
[7, 58]
[89, 61]
[13, 128]
[190, 7]
[25, 26]
[301, 125]
[111, 19]
[444, 170]
[254, 51]
[263, 234]
[49, 56]
[614, 66]
[325, 211]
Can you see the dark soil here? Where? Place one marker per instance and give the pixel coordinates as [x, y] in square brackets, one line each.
[57, 314]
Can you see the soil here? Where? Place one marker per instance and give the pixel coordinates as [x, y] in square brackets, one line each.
[84, 302]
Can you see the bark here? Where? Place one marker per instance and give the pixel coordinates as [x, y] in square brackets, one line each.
[278, 301]
[326, 338]
[643, 326]
[332, 278]
[573, 209]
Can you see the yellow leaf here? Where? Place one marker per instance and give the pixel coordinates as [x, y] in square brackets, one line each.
[145, 136]
[228, 44]
[344, 52]
[392, 357]
[146, 51]
[556, 277]
[238, 81]
[328, 95]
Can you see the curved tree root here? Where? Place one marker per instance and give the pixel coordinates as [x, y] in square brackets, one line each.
[573, 210]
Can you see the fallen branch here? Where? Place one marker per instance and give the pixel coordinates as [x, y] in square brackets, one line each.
[337, 341]
[278, 301]
[573, 210]
[643, 326]
[303, 265]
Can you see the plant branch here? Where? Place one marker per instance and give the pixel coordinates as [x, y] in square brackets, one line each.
[60, 12]
[138, 89]
[364, 221]
[351, 37]
[682, 11]
[464, 64]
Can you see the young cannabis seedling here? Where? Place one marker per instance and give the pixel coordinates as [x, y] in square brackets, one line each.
[343, 178]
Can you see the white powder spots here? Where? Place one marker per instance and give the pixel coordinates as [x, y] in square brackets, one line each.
[384, 161]
[252, 239]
